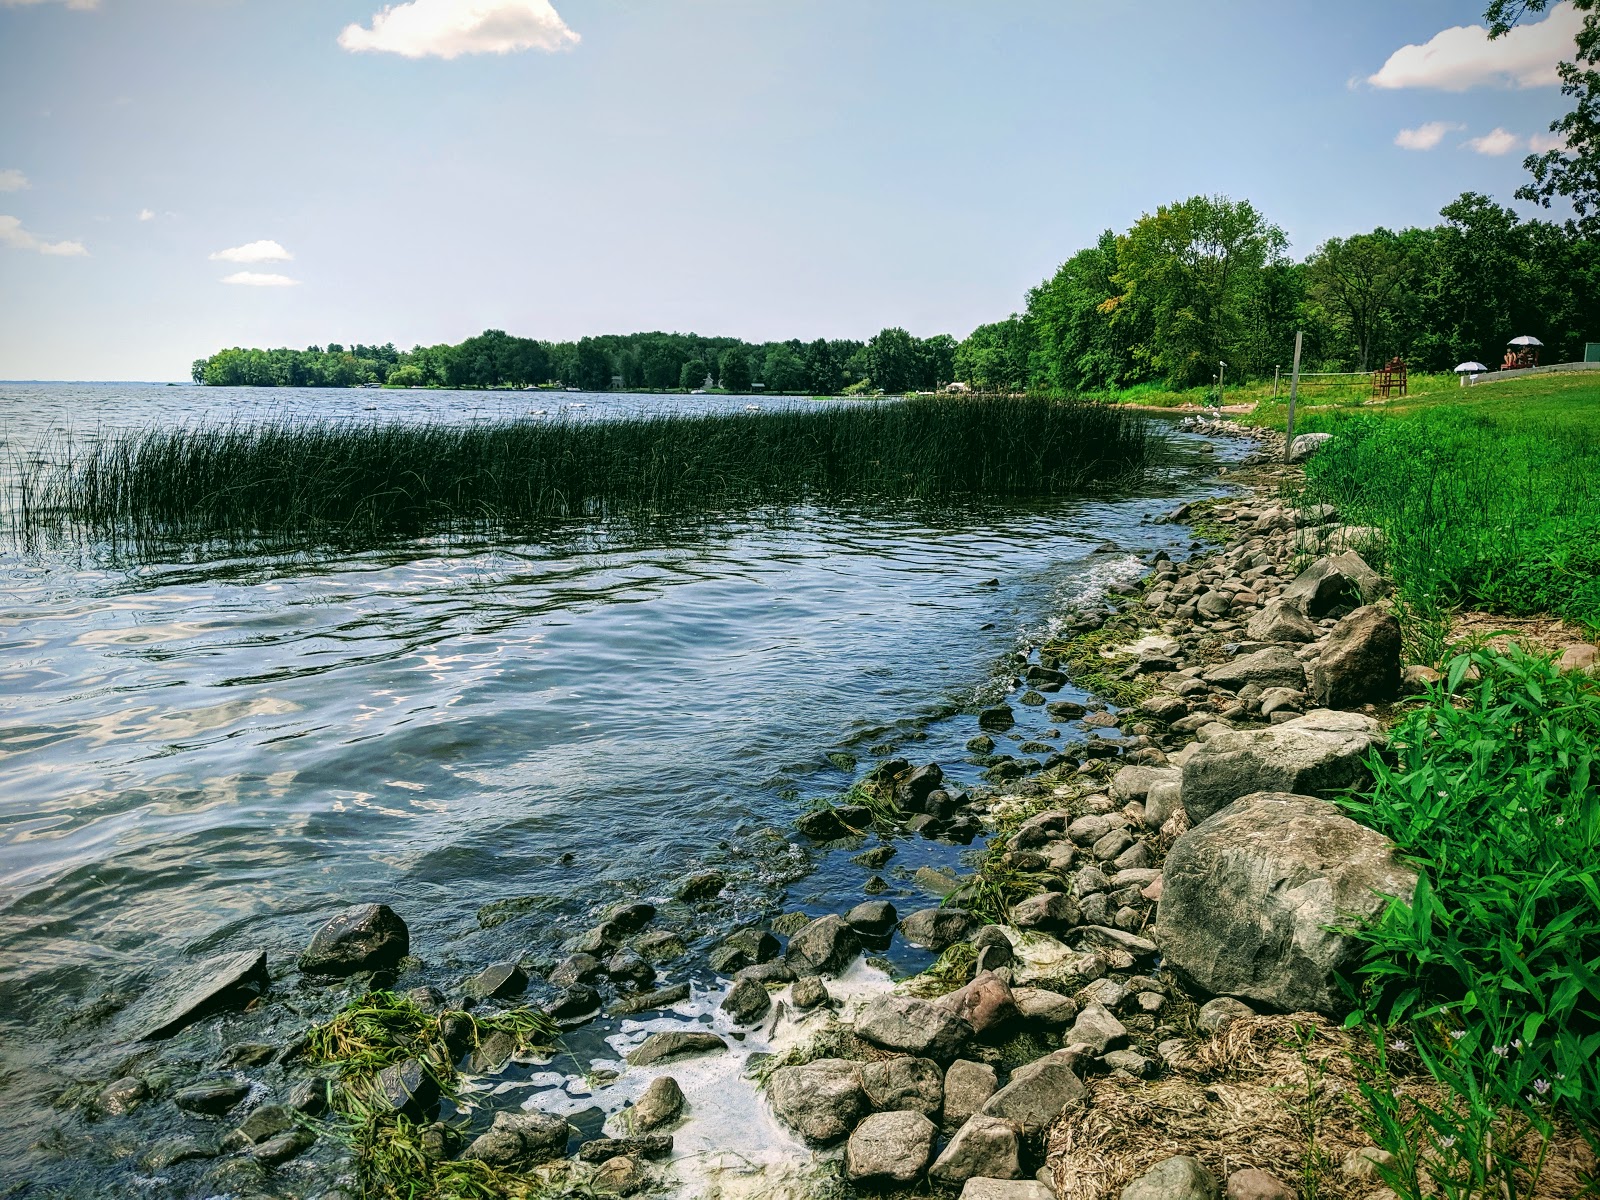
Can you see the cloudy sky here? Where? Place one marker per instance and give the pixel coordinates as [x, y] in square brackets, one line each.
[182, 175]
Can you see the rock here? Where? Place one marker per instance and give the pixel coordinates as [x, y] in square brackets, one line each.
[1280, 620]
[1250, 895]
[872, 917]
[824, 947]
[1255, 1184]
[912, 1084]
[1097, 1029]
[985, 1003]
[630, 918]
[674, 1044]
[1047, 910]
[997, 719]
[179, 1150]
[519, 1138]
[406, 1087]
[1273, 666]
[660, 998]
[828, 825]
[122, 1096]
[1342, 581]
[1580, 656]
[1047, 1008]
[1131, 1061]
[1179, 1178]
[934, 881]
[499, 982]
[913, 791]
[1065, 710]
[1417, 679]
[600, 1149]
[1117, 941]
[310, 1096]
[428, 999]
[1307, 444]
[1281, 700]
[1006, 1189]
[1036, 1095]
[892, 1147]
[1215, 605]
[1323, 751]
[874, 858]
[1164, 706]
[211, 1099]
[573, 1003]
[602, 939]
[1107, 993]
[1216, 1015]
[629, 966]
[808, 992]
[820, 1100]
[985, 1147]
[364, 937]
[619, 1176]
[913, 1026]
[263, 1124]
[661, 1103]
[768, 974]
[967, 1088]
[225, 983]
[1362, 1164]
[703, 885]
[495, 1047]
[1360, 662]
[575, 968]
[1132, 784]
[937, 929]
[746, 1002]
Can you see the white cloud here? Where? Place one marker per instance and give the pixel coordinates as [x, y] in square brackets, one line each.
[1543, 143]
[1462, 57]
[1425, 137]
[258, 279]
[13, 180]
[252, 252]
[1495, 143]
[146, 214]
[448, 28]
[14, 235]
[85, 5]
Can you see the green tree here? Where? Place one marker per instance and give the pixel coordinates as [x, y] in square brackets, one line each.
[892, 360]
[693, 375]
[592, 369]
[784, 370]
[1083, 331]
[994, 358]
[1356, 280]
[823, 372]
[733, 370]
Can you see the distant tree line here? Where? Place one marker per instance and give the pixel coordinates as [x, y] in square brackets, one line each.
[1195, 284]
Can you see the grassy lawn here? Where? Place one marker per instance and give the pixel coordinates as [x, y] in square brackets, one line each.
[1316, 391]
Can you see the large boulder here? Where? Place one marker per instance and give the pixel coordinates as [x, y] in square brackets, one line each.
[1322, 751]
[984, 1003]
[967, 1088]
[1340, 581]
[985, 1147]
[1036, 1095]
[364, 937]
[224, 983]
[1177, 1178]
[673, 1044]
[824, 947]
[913, 1026]
[1361, 661]
[1307, 444]
[820, 1100]
[904, 1085]
[937, 929]
[1280, 620]
[1253, 899]
[1273, 666]
[520, 1139]
[890, 1147]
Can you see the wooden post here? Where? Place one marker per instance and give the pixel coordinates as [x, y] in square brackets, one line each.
[1275, 372]
[1294, 394]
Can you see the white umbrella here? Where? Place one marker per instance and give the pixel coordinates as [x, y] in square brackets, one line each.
[1525, 340]
[1470, 368]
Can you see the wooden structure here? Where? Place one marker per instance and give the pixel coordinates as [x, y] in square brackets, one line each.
[1389, 380]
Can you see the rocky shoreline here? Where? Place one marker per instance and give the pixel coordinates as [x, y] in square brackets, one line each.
[1152, 891]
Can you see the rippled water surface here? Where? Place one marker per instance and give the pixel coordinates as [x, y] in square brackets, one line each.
[219, 754]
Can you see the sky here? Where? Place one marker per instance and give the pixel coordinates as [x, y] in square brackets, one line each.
[177, 176]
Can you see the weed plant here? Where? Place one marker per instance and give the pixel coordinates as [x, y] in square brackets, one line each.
[1491, 972]
[287, 482]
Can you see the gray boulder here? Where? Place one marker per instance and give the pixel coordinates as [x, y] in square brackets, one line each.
[1036, 1095]
[872, 917]
[967, 1088]
[1340, 581]
[1361, 661]
[224, 983]
[1273, 666]
[520, 1138]
[1097, 1029]
[1280, 620]
[1323, 751]
[824, 947]
[904, 1084]
[913, 1026]
[673, 1044]
[1307, 444]
[985, 1147]
[746, 1002]
[1252, 898]
[937, 929]
[891, 1147]
[365, 937]
[1133, 784]
[1048, 910]
[820, 1100]
[1179, 1178]
[661, 1102]
[1048, 1008]
[984, 1003]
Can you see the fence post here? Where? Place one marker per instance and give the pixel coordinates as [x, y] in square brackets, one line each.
[1294, 394]
[1275, 372]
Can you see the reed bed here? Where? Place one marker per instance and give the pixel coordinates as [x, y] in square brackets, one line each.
[288, 481]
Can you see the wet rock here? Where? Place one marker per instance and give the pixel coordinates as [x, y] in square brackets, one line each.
[998, 718]
[821, 1100]
[912, 792]
[1280, 620]
[573, 1003]
[985, 1147]
[874, 858]
[982, 744]
[262, 1125]
[1216, 1015]
[661, 1103]
[828, 825]
[598, 1150]
[1360, 662]
[169, 1153]
[619, 1176]
[1096, 1028]
[1047, 910]
[602, 939]
[703, 885]
[225, 983]
[494, 1048]
[675, 1044]
[408, 1088]
[967, 1088]
[1065, 710]
[122, 1096]
[364, 937]
[520, 1138]
[768, 974]
[746, 1002]
[661, 945]
[1179, 1178]
[1342, 581]
[934, 881]
[936, 929]
[630, 918]
[890, 1147]
[1323, 751]
[575, 968]
[212, 1098]
[994, 949]
[913, 1026]
[872, 917]
[875, 886]
[629, 966]
[985, 1003]
[280, 1149]
[1036, 1095]
[1256, 1184]
[247, 1054]
[824, 947]
[1272, 666]
[310, 1096]
[909, 1084]
[498, 982]
[1252, 898]
[428, 999]
[1043, 1007]
[808, 992]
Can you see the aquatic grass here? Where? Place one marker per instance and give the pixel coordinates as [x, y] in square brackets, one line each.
[295, 480]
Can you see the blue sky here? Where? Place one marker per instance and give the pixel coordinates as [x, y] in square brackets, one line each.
[757, 168]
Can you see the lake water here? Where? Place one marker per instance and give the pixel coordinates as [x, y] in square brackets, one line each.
[220, 754]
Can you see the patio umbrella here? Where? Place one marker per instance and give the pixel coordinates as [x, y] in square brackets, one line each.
[1525, 340]
[1470, 368]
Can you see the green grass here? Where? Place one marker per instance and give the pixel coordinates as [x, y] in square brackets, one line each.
[296, 480]
[1316, 391]
[1489, 497]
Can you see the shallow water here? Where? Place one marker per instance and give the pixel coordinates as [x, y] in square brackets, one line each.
[218, 755]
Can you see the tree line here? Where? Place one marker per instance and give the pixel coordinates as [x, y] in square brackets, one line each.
[1196, 284]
